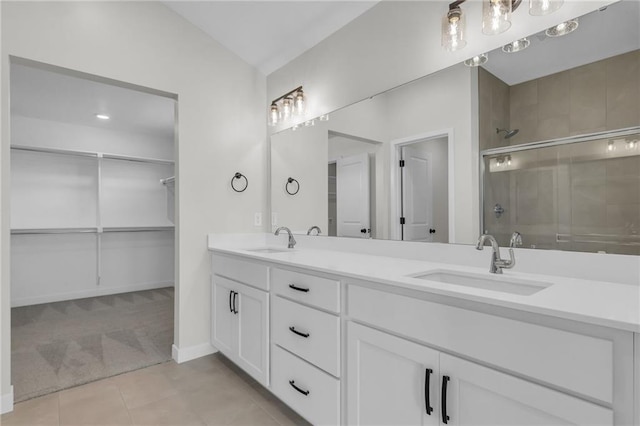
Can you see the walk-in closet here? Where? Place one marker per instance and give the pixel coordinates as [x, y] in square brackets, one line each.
[92, 228]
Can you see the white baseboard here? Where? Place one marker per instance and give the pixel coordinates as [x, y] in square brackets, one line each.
[181, 355]
[94, 292]
[6, 402]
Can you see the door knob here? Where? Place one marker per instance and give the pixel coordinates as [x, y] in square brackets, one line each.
[432, 231]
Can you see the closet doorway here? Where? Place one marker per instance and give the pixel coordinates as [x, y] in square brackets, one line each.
[92, 228]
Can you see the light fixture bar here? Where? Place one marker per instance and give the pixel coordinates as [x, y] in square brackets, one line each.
[297, 89]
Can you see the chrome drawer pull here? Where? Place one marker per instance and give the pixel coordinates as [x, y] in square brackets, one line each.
[293, 330]
[293, 384]
[294, 287]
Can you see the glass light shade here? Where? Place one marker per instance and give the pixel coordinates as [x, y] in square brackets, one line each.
[287, 107]
[324, 117]
[496, 16]
[453, 27]
[544, 7]
[562, 29]
[310, 123]
[516, 46]
[274, 115]
[476, 61]
[299, 103]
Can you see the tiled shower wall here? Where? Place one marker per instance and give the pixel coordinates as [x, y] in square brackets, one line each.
[561, 190]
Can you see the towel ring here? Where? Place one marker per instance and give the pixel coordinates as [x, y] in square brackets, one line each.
[238, 176]
[286, 187]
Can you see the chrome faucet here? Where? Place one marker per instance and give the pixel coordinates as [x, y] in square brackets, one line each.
[497, 264]
[317, 228]
[516, 239]
[292, 241]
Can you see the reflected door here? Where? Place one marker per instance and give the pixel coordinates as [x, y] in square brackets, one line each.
[352, 196]
[417, 195]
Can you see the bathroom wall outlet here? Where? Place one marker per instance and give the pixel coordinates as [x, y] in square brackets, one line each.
[257, 219]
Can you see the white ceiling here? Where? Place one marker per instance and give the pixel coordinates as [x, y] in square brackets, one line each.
[55, 96]
[600, 34]
[269, 34]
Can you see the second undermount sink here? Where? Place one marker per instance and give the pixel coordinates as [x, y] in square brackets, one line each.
[497, 283]
[268, 250]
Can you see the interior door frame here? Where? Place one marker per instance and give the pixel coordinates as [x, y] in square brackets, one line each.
[395, 196]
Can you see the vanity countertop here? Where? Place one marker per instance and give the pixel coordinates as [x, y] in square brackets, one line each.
[606, 304]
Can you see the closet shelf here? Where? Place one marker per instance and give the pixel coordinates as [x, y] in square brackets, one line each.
[34, 231]
[91, 154]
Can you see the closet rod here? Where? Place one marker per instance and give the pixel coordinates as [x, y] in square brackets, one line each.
[54, 231]
[91, 154]
[139, 229]
[137, 159]
[165, 181]
[54, 151]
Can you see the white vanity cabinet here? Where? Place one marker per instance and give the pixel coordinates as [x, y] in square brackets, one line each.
[240, 315]
[305, 330]
[395, 381]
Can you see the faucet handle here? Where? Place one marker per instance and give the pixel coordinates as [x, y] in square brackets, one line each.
[507, 264]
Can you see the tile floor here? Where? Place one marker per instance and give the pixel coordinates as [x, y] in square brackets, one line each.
[206, 391]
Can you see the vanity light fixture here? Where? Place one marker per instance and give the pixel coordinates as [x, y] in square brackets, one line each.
[631, 144]
[516, 46]
[453, 28]
[102, 116]
[476, 61]
[563, 28]
[544, 7]
[287, 105]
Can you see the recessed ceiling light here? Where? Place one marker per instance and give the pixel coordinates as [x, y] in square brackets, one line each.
[476, 61]
[516, 46]
[562, 29]
[102, 116]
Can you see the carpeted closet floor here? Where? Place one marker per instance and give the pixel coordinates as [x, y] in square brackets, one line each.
[58, 345]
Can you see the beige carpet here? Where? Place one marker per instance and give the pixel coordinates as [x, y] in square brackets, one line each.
[63, 344]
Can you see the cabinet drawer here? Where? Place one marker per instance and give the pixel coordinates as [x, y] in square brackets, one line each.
[321, 403]
[316, 291]
[572, 361]
[254, 274]
[321, 346]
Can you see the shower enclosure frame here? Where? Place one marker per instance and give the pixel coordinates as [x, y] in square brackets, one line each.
[627, 131]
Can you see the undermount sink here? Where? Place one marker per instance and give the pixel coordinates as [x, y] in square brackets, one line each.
[268, 250]
[497, 283]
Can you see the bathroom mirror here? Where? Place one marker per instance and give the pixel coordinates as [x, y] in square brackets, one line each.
[440, 128]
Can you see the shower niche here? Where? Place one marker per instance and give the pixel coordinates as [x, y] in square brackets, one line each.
[578, 194]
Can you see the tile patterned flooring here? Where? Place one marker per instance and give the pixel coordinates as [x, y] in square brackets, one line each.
[206, 391]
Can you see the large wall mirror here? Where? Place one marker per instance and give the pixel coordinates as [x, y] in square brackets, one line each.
[419, 162]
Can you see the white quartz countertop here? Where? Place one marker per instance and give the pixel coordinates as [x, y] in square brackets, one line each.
[606, 304]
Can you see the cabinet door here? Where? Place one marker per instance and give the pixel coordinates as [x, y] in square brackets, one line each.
[386, 380]
[477, 395]
[252, 306]
[223, 332]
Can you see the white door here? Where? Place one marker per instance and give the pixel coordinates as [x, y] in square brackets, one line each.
[477, 395]
[352, 196]
[387, 379]
[417, 195]
[223, 328]
[253, 332]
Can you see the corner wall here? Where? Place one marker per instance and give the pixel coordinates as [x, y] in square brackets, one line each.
[221, 126]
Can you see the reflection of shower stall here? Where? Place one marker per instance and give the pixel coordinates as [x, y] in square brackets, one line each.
[580, 193]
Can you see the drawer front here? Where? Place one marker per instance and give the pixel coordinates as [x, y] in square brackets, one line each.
[576, 362]
[247, 272]
[316, 291]
[318, 340]
[318, 397]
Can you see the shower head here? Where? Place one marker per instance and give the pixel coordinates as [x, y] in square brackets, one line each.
[509, 133]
